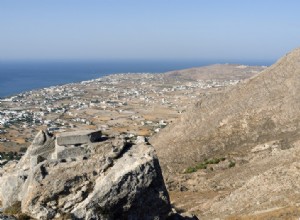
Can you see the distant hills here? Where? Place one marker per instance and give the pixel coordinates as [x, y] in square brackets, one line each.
[217, 72]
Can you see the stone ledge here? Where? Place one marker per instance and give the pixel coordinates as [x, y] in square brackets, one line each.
[78, 137]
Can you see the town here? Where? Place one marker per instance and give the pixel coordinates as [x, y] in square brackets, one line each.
[139, 104]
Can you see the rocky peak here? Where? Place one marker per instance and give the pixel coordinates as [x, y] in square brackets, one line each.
[83, 175]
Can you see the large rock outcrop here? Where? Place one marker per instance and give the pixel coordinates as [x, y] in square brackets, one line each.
[80, 175]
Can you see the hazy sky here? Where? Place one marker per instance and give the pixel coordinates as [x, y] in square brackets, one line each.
[148, 29]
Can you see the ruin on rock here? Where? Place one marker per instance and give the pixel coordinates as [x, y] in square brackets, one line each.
[81, 175]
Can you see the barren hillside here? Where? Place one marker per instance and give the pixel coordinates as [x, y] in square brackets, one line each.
[257, 110]
[217, 72]
[236, 153]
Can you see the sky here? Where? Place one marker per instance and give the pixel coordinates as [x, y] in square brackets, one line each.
[148, 29]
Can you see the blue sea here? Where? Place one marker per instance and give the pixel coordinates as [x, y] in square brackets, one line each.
[20, 76]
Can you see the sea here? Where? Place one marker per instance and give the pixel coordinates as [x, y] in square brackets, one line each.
[21, 76]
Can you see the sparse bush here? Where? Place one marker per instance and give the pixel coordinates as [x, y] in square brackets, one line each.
[14, 209]
[9, 155]
[23, 149]
[213, 161]
[203, 165]
[190, 170]
[23, 217]
[231, 164]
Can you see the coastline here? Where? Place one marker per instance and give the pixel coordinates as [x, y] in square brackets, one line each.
[19, 77]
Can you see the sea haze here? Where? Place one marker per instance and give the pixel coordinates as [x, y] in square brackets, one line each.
[17, 76]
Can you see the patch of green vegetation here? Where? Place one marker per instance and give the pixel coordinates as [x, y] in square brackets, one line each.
[23, 149]
[14, 209]
[9, 156]
[203, 165]
[190, 170]
[23, 217]
[231, 164]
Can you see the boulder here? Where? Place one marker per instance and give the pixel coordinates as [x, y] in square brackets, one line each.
[112, 179]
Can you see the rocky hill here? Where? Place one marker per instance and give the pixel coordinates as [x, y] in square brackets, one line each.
[238, 151]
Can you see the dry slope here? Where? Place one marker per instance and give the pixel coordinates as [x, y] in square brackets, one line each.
[258, 110]
[217, 72]
[255, 125]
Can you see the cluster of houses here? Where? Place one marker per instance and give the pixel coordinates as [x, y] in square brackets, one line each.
[63, 107]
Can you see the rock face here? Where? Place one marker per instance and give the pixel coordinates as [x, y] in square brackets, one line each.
[106, 179]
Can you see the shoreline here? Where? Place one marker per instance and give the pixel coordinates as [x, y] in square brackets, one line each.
[2, 98]
[21, 77]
